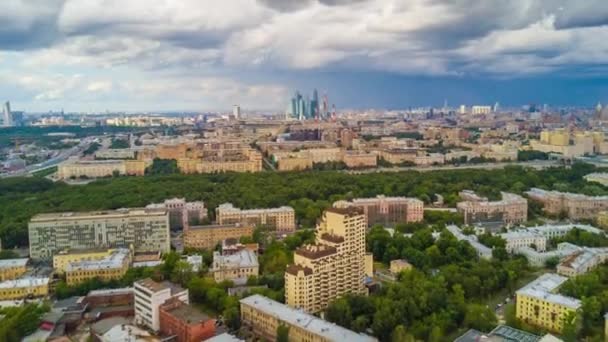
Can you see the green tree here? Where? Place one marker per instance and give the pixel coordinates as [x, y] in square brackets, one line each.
[282, 333]
[480, 317]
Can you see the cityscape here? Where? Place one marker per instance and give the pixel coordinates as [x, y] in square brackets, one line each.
[303, 171]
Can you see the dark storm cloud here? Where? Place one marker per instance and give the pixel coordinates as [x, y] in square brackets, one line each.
[29, 24]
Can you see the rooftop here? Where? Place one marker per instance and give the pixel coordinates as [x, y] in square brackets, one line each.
[110, 292]
[184, 312]
[154, 286]
[303, 320]
[543, 288]
[225, 337]
[242, 258]
[349, 211]
[315, 251]
[229, 207]
[24, 282]
[118, 213]
[295, 269]
[116, 259]
[10, 263]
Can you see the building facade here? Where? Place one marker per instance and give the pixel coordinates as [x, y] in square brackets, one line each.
[282, 219]
[263, 316]
[235, 267]
[333, 266]
[207, 237]
[184, 323]
[63, 259]
[574, 206]
[387, 211]
[512, 209]
[24, 288]
[100, 168]
[150, 295]
[146, 230]
[181, 212]
[111, 267]
[12, 268]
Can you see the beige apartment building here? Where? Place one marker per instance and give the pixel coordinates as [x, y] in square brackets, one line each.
[263, 316]
[511, 209]
[387, 211]
[574, 206]
[333, 266]
[282, 219]
[355, 159]
[237, 267]
[111, 267]
[147, 230]
[207, 237]
[248, 160]
[100, 168]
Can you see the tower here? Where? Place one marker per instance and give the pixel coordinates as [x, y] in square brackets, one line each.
[236, 112]
[6, 114]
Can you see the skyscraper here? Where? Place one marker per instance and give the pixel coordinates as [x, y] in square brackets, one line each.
[236, 112]
[6, 115]
[314, 104]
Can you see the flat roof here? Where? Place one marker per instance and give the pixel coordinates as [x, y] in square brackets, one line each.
[304, 320]
[118, 213]
[187, 313]
[24, 282]
[116, 259]
[225, 337]
[242, 258]
[154, 286]
[10, 263]
[229, 207]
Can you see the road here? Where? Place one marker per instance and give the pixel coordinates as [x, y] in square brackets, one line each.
[535, 164]
[62, 156]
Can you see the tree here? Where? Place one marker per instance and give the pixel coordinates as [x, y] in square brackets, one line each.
[401, 335]
[340, 313]
[571, 327]
[480, 317]
[282, 333]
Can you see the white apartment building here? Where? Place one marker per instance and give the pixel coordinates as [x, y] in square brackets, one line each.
[524, 238]
[149, 295]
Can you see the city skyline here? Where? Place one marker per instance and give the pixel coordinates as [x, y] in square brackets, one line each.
[180, 55]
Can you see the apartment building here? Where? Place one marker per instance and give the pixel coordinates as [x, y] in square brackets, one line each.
[234, 160]
[482, 250]
[511, 209]
[333, 266]
[150, 295]
[181, 212]
[387, 211]
[235, 267]
[574, 206]
[263, 316]
[524, 238]
[539, 259]
[111, 267]
[282, 219]
[100, 168]
[12, 268]
[63, 259]
[24, 288]
[207, 237]
[357, 159]
[184, 323]
[147, 230]
[539, 304]
[582, 261]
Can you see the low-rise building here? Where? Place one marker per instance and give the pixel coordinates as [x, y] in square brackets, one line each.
[524, 238]
[184, 323]
[582, 261]
[207, 237]
[263, 316]
[235, 267]
[24, 288]
[482, 251]
[100, 168]
[150, 295]
[111, 267]
[387, 211]
[64, 258]
[539, 304]
[12, 268]
[574, 206]
[539, 259]
[282, 219]
[356, 159]
[512, 209]
[399, 265]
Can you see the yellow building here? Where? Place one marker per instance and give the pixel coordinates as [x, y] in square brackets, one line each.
[602, 219]
[237, 267]
[111, 267]
[538, 303]
[558, 137]
[12, 268]
[100, 168]
[282, 219]
[22, 288]
[264, 315]
[332, 267]
[64, 258]
[207, 237]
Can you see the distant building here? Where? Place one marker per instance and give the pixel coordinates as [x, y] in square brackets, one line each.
[207, 237]
[582, 261]
[476, 110]
[482, 251]
[182, 213]
[127, 333]
[144, 229]
[282, 219]
[263, 315]
[512, 209]
[74, 168]
[387, 211]
[150, 295]
[236, 112]
[235, 267]
[574, 206]
[539, 304]
[7, 115]
[333, 266]
[399, 265]
[64, 258]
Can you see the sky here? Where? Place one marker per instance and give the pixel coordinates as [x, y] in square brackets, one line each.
[206, 55]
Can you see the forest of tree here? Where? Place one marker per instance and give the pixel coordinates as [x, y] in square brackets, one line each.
[309, 193]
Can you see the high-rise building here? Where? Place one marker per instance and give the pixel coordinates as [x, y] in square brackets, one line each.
[314, 104]
[333, 266]
[7, 115]
[147, 230]
[236, 112]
